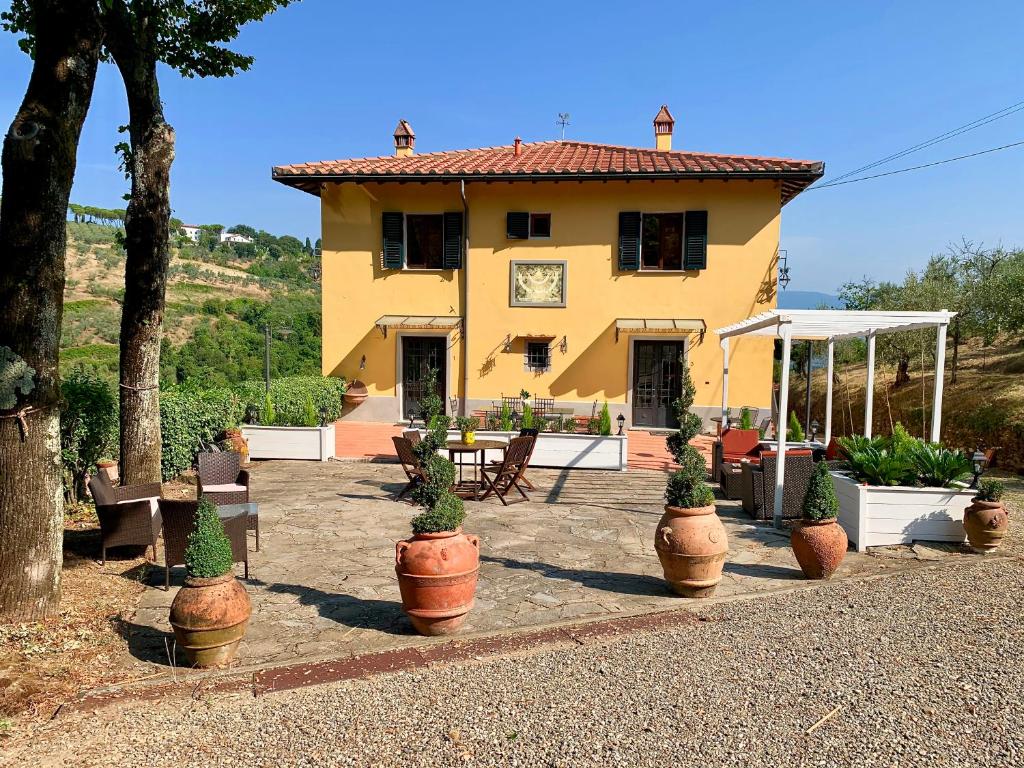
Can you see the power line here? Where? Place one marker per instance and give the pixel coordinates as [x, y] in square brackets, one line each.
[978, 123]
[838, 183]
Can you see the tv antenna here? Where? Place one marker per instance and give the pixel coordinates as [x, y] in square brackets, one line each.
[563, 120]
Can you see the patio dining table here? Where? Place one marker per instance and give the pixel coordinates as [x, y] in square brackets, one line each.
[470, 489]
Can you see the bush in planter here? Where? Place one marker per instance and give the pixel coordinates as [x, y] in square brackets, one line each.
[208, 553]
[604, 421]
[505, 424]
[269, 415]
[990, 490]
[309, 417]
[746, 419]
[937, 467]
[88, 427]
[820, 502]
[689, 423]
[686, 486]
[795, 433]
[446, 513]
[289, 396]
[527, 420]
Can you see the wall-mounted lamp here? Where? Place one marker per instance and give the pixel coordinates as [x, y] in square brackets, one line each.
[784, 277]
[563, 345]
[362, 363]
[506, 345]
[622, 422]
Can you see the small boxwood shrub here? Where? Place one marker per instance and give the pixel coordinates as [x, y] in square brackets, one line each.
[820, 501]
[604, 421]
[190, 417]
[208, 553]
[293, 399]
[990, 490]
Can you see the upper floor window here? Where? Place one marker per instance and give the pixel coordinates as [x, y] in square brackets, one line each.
[425, 240]
[521, 225]
[663, 241]
[422, 240]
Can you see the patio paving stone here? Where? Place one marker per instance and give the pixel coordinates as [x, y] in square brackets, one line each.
[324, 584]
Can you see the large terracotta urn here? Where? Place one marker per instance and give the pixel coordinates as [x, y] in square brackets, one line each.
[437, 578]
[986, 523]
[692, 545]
[356, 392]
[819, 546]
[109, 468]
[209, 617]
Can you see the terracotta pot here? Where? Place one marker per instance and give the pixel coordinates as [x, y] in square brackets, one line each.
[237, 443]
[110, 469]
[437, 578]
[819, 546]
[356, 392]
[209, 617]
[986, 523]
[692, 545]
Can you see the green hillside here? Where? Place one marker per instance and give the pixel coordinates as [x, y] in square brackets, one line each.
[219, 296]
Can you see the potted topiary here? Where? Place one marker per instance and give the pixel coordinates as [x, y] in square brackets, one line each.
[818, 541]
[437, 568]
[795, 433]
[690, 540]
[468, 425]
[211, 611]
[986, 519]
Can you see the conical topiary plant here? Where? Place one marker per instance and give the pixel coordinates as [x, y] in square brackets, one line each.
[687, 487]
[820, 501]
[208, 553]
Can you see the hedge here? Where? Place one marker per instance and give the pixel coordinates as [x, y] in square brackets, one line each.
[291, 397]
[190, 417]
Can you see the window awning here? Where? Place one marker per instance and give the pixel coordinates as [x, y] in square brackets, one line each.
[667, 326]
[418, 322]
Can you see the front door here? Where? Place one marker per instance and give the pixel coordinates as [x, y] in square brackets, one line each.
[419, 355]
[657, 382]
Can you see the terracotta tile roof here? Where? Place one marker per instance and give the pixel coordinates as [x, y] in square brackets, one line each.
[553, 160]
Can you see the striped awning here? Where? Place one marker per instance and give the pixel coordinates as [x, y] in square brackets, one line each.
[418, 322]
[667, 326]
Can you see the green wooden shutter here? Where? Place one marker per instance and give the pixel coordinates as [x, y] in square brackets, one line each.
[452, 240]
[394, 240]
[517, 225]
[695, 253]
[629, 240]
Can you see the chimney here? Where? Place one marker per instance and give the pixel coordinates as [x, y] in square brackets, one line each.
[663, 124]
[405, 139]
[517, 147]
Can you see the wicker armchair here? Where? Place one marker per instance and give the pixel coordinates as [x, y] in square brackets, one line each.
[179, 520]
[759, 484]
[126, 513]
[222, 479]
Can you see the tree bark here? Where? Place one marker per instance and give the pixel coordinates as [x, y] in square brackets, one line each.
[38, 160]
[133, 47]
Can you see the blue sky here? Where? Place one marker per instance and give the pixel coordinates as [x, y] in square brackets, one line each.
[843, 83]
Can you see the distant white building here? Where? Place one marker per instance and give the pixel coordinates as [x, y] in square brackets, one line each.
[233, 237]
[191, 231]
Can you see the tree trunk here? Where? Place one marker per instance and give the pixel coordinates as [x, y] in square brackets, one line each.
[148, 255]
[39, 155]
[902, 372]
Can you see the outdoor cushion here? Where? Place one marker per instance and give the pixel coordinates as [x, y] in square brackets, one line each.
[223, 488]
[740, 442]
[154, 503]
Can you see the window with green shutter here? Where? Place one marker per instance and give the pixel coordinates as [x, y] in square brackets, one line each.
[393, 254]
[695, 254]
[517, 225]
[629, 240]
[453, 240]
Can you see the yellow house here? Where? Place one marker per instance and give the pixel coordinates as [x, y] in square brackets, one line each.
[579, 272]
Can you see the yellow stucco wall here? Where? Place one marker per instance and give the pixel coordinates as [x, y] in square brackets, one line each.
[743, 237]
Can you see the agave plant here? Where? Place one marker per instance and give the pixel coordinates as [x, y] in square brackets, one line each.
[939, 467]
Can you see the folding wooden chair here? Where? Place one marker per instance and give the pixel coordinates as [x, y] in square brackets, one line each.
[412, 435]
[503, 478]
[413, 470]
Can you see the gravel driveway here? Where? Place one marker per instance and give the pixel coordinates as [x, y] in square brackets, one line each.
[919, 668]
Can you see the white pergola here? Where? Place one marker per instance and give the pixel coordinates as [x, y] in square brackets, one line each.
[831, 325]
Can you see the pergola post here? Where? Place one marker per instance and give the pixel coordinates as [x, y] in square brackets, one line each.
[828, 391]
[725, 384]
[940, 375]
[869, 395]
[780, 428]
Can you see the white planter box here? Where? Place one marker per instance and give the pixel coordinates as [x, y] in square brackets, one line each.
[560, 450]
[875, 515]
[310, 443]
